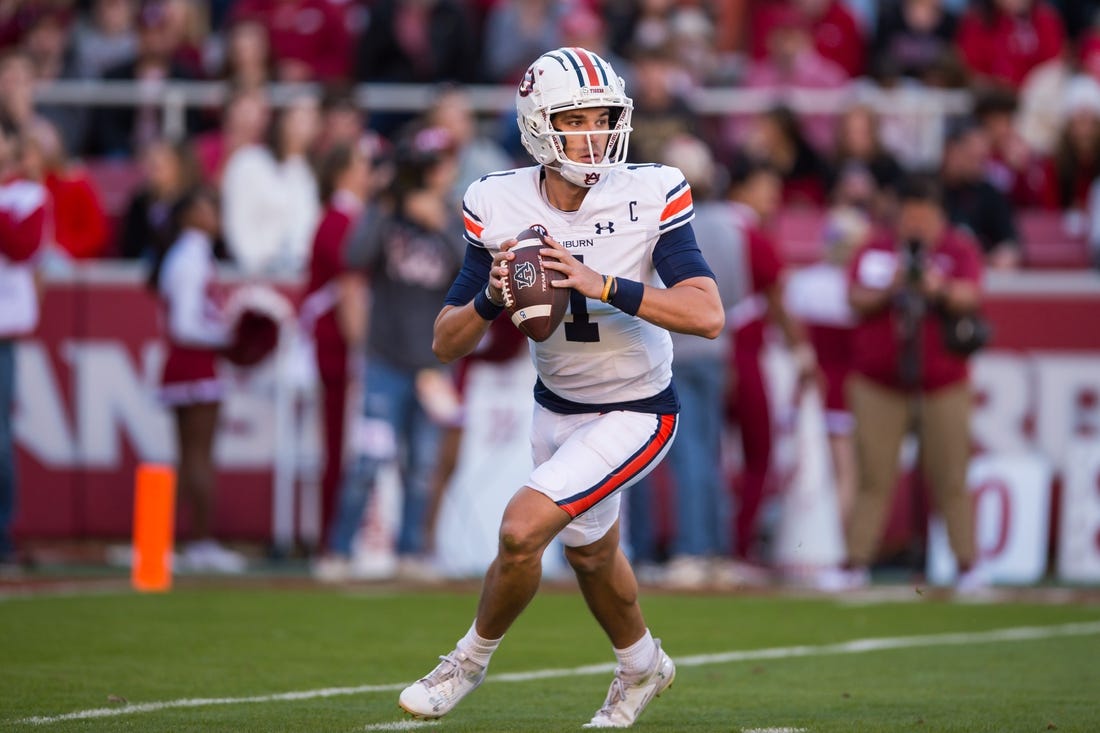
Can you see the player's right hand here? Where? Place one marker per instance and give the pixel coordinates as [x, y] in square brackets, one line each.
[499, 270]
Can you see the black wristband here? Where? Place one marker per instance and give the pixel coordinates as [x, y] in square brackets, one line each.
[627, 296]
[486, 308]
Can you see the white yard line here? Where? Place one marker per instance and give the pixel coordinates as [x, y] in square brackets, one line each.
[773, 730]
[855, 646]
[402, 725]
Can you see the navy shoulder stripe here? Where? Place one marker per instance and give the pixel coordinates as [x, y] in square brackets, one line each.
[670, 194]
[678, 220]
[471, 214]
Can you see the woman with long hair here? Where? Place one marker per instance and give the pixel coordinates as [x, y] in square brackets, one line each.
[197, 331]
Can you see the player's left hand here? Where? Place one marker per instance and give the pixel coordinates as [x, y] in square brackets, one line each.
[578, 275]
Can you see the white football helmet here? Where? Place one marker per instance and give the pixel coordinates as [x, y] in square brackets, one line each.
[573, 78]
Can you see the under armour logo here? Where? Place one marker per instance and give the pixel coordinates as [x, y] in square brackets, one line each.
[524, 275]
[591, 179]
[609, 226]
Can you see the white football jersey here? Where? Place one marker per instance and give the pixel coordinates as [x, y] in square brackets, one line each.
[599, 354]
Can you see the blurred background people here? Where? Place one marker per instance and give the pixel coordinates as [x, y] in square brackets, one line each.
[409, 248]
[269, 194]
[309, 39]
[757, 300]
[700, 534]
[344, 174]
[818, 297]
[1000, 41]
[23, 204]
[196, 331]
[973, 202]
[476, 154]
[168, 170]
[77, 222]
[905, 378]
[911, 38]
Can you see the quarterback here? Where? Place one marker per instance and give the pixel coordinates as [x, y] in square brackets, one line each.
[606, 409]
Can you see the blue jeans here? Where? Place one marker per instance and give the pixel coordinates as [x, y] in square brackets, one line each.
[694, 460]
[393, 427]
[7, 446]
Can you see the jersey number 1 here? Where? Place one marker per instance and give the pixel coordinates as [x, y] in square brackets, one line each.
[580, 329]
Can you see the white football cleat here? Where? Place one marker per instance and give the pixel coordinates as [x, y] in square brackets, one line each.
[626, 700]
[437, 694]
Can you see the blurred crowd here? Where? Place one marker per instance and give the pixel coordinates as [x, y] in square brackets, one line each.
[286, 186]
[1031, 142]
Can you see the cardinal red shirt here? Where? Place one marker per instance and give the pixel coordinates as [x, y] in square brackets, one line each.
[1009, 47]
[318, 309]
[836, 34]
[748, 317]
[876, 344]
[79, 222]
[314, 32]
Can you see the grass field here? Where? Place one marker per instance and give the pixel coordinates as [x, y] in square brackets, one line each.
[268, 659]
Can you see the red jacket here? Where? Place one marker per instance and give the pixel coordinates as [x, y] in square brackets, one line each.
[79, 221]
[314, 32]
[1009, 47]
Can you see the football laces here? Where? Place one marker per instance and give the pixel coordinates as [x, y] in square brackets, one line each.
[506, 289]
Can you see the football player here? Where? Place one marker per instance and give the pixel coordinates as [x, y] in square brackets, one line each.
[606, 409]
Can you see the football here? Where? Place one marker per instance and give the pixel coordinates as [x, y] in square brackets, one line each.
[536, 308]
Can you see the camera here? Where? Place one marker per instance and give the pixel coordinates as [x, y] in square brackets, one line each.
[914, 261]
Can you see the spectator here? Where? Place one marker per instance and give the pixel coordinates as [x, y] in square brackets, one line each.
[270, 203]
[1042, 100]
[517, 31]
[912, 37]
[792, 63]
[168, 170]
[755, 193]
[833, 31]
[344, 185]
[776, 136]
[428, 41]
[119, 131]
[309, 38]
[858, 140]
[583, 28]
[76, 220]
[971, 201]
[248, 61]
[1076, 161]
[411, 251]
[105, 38]
[900, 287]
[1014, 169]
[196, 331]
[818, 297]
[701, 377]
[22, 225]
[245, 120]
[1002, 40]
[477, 154]
[342, 120]
[660, 110]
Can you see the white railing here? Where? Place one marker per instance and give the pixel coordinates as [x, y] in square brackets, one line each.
[925, 109]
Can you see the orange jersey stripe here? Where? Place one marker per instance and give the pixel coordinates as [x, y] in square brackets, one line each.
[677, 205]
[625, 473]
[473, 227]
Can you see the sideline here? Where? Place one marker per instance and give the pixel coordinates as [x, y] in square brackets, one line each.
[855, 646]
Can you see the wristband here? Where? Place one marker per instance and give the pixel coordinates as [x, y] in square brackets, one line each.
[627, 296]
[606, 294]
[485, 307]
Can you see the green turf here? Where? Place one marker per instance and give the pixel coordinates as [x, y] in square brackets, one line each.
[64, 654]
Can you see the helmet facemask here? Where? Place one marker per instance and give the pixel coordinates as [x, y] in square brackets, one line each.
[551, 87]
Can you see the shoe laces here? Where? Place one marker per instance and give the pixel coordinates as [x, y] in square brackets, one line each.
[615, 695]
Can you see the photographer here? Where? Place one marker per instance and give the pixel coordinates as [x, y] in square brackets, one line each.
[906, 290]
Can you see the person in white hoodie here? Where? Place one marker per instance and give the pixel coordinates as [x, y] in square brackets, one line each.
[270, 203]
[22, 223]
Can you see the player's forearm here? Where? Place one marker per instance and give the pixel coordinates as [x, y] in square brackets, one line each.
[692, 306]
[458, 331]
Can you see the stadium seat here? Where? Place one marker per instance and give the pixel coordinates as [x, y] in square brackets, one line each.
[1048, 244]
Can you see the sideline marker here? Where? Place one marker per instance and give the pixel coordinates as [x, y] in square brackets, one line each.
[154, 522]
